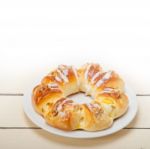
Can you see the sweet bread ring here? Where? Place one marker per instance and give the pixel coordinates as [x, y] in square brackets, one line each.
[50, 98]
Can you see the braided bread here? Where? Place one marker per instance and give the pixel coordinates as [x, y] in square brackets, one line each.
[50, 98]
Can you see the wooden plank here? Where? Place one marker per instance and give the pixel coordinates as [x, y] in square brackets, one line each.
[12, 114]
[124, 139]
[142, 119]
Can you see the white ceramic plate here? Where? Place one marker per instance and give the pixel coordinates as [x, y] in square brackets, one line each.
[117, 125]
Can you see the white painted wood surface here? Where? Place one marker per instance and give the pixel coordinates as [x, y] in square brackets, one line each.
[136, 139]
[38, 35]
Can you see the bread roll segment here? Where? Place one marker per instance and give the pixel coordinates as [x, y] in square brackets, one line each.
[50, 98]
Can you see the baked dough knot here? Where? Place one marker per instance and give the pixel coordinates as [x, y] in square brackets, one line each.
[51, 97]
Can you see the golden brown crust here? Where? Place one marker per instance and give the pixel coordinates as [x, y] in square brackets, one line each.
[107, 88]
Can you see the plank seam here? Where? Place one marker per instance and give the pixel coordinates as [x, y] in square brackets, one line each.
[11, 94]
[41, 128]
[20, 128]
[21, 94]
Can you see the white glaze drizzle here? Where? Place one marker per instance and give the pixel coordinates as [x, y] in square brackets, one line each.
[63, 76]
[92, 105]
[108, 90]
[58, 79]
[64, 69]
[60, 106]
[87, 71]
[52, 85]
[65, 72]
[95, 76]
[105, 77]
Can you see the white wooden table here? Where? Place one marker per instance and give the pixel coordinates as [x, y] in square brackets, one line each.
[36, 36]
